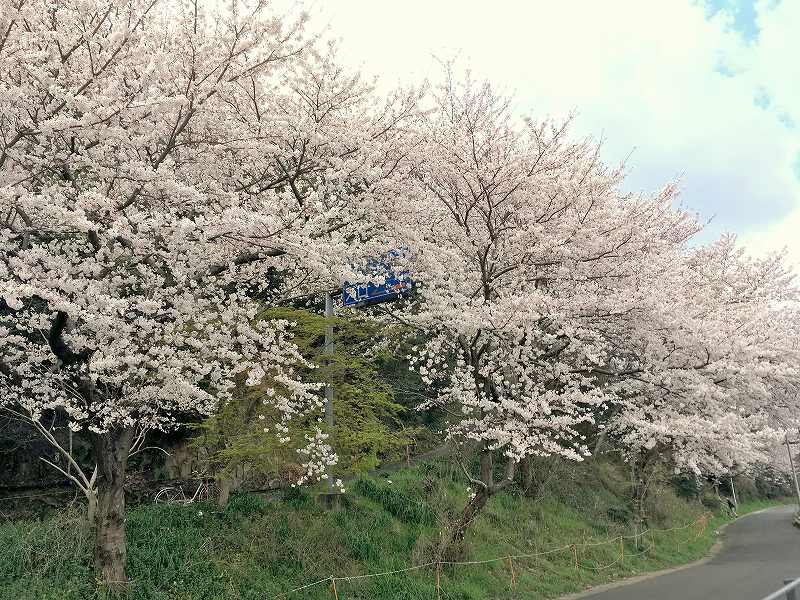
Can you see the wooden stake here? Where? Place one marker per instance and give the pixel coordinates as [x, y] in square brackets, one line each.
[513, 576]
[438, 581]
[574, 549]
[333, 586]
[622, 550]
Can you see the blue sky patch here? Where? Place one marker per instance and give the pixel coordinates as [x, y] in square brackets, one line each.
[761, 98]
[786, 120]
[743, 13]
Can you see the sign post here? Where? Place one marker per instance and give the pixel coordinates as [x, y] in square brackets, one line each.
[329, 384]
[394, 286]
[794, 473]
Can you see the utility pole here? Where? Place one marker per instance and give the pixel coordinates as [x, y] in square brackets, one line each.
[329, 383]
[794, 473]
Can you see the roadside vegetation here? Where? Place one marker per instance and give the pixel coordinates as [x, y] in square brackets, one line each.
[260, 547]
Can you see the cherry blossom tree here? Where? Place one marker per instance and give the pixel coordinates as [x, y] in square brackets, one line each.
[168, 168]
[523, 250]
[160, 162]
[704, 358]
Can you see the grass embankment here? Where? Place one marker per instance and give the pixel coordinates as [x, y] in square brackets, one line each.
[261, 548]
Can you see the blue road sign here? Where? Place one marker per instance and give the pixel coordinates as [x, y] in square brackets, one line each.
[394, 286]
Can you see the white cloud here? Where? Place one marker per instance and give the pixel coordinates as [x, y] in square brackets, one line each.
[647, 76]
[783, 233]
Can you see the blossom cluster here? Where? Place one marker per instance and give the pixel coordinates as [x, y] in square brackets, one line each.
[557, 308]
[168, 169]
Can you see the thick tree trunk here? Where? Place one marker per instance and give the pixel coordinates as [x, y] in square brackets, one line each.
[110, 549]
[526, 473]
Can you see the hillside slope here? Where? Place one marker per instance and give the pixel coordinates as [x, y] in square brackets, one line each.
[263, 547]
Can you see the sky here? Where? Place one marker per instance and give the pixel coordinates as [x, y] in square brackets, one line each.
[703, 91]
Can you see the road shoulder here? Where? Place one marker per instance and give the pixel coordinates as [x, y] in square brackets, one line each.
[715, 549]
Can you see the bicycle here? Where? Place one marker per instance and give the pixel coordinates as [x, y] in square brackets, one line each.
[206, 491]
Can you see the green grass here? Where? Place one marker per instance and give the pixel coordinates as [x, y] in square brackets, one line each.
[260, 548]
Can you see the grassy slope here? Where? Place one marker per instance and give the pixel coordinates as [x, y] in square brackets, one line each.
[259, 548]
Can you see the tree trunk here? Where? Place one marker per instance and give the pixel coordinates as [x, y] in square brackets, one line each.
[599, 443]
[225, 485]
[110, 548]
[455, 541]
[91, 511]
[642, 474]
[453, 544]
[637, 486]
[526, 472]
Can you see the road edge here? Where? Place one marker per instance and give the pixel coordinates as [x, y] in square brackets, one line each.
[715, 549]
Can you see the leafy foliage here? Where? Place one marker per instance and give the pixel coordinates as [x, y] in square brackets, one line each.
[370, 427]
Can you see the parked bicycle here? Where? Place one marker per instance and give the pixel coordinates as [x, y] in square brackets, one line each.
[207, 490]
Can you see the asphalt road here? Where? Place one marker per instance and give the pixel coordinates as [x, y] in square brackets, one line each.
[759, 551]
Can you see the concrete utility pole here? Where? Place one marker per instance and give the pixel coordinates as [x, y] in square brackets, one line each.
[329, 384]
[794, 473]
